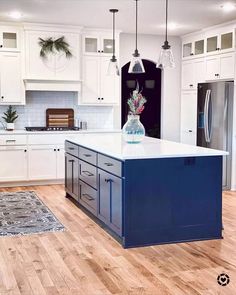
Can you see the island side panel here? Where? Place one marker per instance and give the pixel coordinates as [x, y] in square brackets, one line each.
[171, 200]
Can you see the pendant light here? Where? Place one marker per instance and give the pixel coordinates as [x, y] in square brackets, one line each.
[166, 58]
[136, 64]
[113, 68]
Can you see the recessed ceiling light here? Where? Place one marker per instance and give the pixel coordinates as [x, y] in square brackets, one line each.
[15, 14]
[228, 6]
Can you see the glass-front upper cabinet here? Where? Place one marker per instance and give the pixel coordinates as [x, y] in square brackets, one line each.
[221, 42]
[193, 47]
[9, 39]
[93, 45]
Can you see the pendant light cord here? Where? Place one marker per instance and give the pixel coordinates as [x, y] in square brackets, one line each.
[136, 35]
[113, 41]
[166, 17]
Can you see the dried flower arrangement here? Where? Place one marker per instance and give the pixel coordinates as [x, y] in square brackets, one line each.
[136, 102]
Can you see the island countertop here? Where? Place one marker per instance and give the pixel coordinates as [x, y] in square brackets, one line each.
[113, 145]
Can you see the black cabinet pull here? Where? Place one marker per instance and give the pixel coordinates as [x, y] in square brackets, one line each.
[71, 161]
[190, 131]
[2, 97]
[102, 98]
[58, 150]
[55, 150]
[71, 148]
[108, 180]
[191, 54]
[87, 173]
[191, 85]
[99, 98]
[25, 151]
[1, 46]
[88, 197]
[102, 51]
[99, 51]
[108, 164]
[87, 155]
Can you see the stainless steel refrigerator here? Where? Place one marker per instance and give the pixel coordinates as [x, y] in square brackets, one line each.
[215, 121]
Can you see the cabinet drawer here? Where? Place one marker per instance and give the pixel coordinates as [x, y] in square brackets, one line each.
[88, 197]
[88, 155]
[72, 149]
[13, 139]
[88, 173]
[110, 165]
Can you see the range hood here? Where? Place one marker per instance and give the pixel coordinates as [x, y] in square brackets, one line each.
[52, 85]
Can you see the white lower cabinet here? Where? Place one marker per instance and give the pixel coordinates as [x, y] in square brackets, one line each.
[13, 163]
[42, 162]
[188, 117]
[61, 162]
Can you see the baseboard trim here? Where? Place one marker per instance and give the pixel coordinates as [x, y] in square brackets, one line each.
[30, 183]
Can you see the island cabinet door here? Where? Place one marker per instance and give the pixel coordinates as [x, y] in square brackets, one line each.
[110, 201]
[72, 176]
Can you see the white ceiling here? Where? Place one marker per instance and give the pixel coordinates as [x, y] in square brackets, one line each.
[189, 15]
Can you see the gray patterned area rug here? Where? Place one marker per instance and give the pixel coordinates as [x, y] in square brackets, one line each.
[23, 213]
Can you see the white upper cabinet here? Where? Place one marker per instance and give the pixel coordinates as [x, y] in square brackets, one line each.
[193, 47]
[11, 81]
[193, 72]
[10, 38]
[99, 44]
[98, 88]
[220, 67]
[56, 66]
[220, 41]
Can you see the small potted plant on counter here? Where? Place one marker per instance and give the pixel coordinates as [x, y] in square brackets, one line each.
[10, 117]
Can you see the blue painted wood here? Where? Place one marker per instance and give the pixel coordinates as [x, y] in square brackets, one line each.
[172, 200]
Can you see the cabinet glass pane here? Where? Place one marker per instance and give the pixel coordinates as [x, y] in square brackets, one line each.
[107, 45]
[227, 41]
[199, 47]
[9, 40]
[187, 49]
[91, 45]
[212, 44]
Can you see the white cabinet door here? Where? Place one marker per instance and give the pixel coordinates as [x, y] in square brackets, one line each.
[109, 84]
[212, 68]
[91, 80]
[13, 163]
[42, 162]
[61, 162]
[10, 38]
[199, 71]
[12, 86]
[187, 75]
[189, 117]
[227, 66]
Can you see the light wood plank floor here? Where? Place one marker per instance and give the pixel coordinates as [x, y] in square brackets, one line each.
[85, 260]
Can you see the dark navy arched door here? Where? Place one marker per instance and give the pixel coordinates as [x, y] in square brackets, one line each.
[150, 84]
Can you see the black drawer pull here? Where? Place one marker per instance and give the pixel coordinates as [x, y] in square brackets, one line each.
[71, 148]
[87, 155]
[108, 180]
[87, 173]
[88, 197]
[108, 164]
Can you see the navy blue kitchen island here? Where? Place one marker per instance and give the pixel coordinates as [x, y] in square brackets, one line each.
[151, 193]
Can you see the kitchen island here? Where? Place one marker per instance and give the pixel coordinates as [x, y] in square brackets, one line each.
[150, 193]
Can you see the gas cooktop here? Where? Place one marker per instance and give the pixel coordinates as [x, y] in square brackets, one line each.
[52, 128]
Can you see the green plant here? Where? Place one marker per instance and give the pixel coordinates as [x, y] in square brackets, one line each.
[10, 115]
[54, 46]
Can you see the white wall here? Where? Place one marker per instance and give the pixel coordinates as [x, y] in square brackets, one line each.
[149, 47]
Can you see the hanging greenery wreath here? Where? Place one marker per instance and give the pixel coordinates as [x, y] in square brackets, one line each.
[54, 46]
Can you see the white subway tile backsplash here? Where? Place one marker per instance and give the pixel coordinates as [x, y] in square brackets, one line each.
[34, 112]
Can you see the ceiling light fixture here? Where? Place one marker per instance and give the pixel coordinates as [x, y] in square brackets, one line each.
[136, 64]
[15, 14]
[227, 7]
[166, 58]
[113, 68]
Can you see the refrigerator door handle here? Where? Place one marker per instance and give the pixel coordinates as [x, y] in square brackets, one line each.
[206, 108]
[209, 127]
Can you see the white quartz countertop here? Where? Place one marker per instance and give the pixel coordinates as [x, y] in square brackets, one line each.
[113, 145]
[15, 132]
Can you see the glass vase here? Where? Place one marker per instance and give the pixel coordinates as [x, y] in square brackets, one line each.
[133, 130]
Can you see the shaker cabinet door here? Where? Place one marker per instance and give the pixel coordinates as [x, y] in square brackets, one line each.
[110, 201]
[72, 176]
